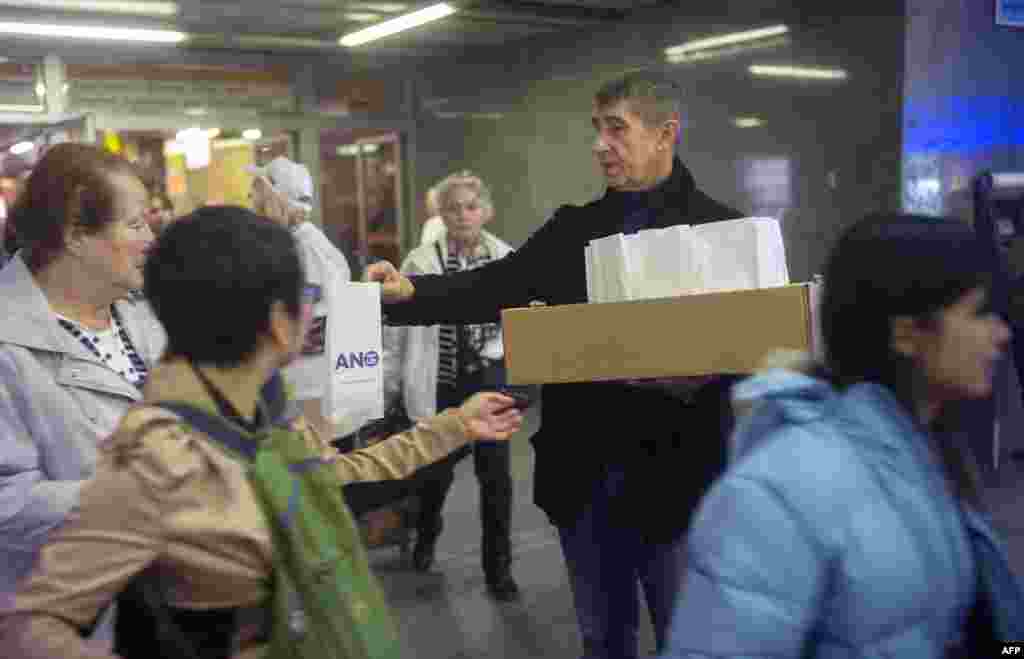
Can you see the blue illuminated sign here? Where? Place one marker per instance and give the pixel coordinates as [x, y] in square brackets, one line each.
[1010, 12]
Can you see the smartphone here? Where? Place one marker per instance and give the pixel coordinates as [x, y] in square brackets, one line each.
[523, 400]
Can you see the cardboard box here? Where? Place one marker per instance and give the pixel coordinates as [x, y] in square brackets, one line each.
[682, 336]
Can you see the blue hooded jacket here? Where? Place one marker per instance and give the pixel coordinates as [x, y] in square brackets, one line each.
[832, 534]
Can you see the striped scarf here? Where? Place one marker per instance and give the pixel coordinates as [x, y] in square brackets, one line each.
[460, 345]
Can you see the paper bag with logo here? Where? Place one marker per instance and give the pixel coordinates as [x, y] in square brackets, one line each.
[746, 253]
[665, 262]
[355, 388]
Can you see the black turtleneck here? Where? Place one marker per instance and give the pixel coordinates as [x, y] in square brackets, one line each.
[637, 212]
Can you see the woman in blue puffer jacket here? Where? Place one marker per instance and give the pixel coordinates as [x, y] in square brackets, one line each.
[847, 524]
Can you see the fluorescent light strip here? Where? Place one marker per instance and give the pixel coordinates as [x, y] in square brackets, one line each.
[797, 72]
[381, 7]
[726, 40]
[748, 122]
[361, 16]
[91, 32]
[395, 25]
[99, 6]
[735, 49]
[258, 40]
[22, 108]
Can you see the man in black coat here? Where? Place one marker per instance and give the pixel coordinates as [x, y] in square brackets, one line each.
[619, 466]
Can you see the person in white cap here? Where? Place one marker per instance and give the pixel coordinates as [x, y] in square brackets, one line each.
[282, 190]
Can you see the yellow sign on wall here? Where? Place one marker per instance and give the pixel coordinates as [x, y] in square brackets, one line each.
[112, 141]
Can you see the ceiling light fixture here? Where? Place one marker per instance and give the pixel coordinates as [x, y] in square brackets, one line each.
[22, 147]
[273, 40]
[747, 122]
[382, 7]
[195, 112]
[726, 40]
[398, 24]
[22, 108]
[361, 16]
[100, 6]
[92, 32]
[806, 73]
[252, 134]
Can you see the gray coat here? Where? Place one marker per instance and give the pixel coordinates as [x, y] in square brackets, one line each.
[57, 402]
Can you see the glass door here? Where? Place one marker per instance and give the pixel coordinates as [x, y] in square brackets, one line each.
[362, 197]
[379, 181]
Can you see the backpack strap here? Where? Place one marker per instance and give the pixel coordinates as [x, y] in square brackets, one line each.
[273, 405]
[216, 428]
[275, 400]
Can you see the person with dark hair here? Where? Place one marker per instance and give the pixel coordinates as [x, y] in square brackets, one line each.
[169, 499]
[608, 454]
[75, 350]
[848, 522]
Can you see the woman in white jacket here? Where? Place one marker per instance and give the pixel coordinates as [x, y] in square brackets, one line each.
[434, 367]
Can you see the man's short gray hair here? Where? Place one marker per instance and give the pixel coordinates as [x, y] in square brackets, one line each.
[653, 96]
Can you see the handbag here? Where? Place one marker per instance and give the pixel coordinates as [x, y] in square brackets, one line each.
[147, 627]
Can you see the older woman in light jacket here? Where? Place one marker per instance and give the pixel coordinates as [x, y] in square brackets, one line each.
[426, 371]
[74, 347]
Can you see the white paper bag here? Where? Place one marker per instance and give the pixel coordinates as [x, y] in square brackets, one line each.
[665, 262]
[355, 388]
[591, 268]
[744, 254]
[612, 268]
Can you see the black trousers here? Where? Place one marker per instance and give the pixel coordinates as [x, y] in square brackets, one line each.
[491, 463]
[431, 484]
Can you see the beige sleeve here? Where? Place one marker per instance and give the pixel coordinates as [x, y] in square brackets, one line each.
[115, 533]
[400, 455]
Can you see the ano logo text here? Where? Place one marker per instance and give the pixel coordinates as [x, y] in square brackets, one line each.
[367, 359]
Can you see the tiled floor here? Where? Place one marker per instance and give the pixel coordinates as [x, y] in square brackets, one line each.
[446, 614]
